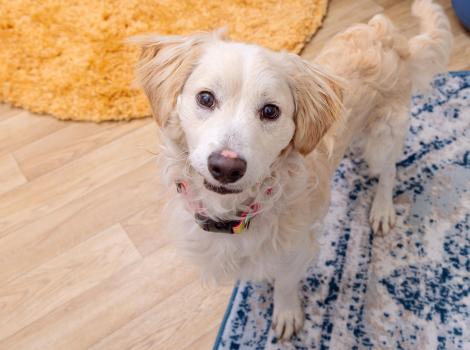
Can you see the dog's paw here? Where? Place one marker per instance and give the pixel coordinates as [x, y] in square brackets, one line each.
[382, 216]
[287, 321]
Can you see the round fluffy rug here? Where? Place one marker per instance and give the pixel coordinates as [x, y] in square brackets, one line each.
[67, 57]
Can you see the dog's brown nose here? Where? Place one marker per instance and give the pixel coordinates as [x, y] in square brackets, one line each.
[226, 166]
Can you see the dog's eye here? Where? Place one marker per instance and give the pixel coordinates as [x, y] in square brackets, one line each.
[205, 99]
[270, 112]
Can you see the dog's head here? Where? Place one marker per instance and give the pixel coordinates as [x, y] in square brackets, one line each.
[234, 107]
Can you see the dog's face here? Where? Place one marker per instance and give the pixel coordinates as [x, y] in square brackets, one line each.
[237, 113]
[238, 106]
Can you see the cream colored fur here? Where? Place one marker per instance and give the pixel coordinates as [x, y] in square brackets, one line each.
[371, 68]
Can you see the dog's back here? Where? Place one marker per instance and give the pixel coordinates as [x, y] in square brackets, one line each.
[381, 68]
[376, 53]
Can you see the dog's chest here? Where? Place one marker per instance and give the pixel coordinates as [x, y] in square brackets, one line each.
[224, 256]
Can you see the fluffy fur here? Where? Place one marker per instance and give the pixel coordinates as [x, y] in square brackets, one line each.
[359, 87]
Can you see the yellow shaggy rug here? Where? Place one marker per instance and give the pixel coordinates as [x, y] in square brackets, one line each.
[67, 57]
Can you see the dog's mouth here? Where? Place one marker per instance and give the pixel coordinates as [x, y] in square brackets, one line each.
[220, 189]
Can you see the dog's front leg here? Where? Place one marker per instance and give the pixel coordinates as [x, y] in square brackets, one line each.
[288, 315]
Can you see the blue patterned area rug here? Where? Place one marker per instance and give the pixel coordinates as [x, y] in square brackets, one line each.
[408, 290]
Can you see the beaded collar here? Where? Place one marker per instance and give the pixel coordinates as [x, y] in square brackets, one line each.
[220, 226]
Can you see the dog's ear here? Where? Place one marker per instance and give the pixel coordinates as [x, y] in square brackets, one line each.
[318, 102]
[164, 66]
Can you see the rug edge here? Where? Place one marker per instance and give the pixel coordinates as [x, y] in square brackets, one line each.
[227, 313]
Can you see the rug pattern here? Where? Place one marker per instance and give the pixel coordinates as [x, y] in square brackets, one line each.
[408, 290]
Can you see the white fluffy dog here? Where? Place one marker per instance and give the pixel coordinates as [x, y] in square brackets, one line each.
[252, 137]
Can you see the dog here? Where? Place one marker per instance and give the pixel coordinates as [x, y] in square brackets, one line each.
[251, 138]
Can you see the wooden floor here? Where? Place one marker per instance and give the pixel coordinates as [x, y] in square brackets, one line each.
[83, 263]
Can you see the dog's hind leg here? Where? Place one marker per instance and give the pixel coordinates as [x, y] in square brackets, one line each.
[383, 147]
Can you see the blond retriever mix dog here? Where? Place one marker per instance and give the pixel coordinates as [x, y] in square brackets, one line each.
[251, 139]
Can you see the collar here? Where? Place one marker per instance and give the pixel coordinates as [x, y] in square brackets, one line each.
[221, 226]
